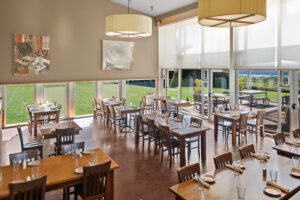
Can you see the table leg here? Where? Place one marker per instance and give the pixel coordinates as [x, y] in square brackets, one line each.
[203, 146]
[107, 116]
[35, 125]
[234, 132]
[182, 151]
[216, 127]
[111, 185]
[136, 131]
[57, 117]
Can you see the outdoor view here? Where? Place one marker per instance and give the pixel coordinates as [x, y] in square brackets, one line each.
[110, 89]
[56, 93]
[136, 89]
[84, 94]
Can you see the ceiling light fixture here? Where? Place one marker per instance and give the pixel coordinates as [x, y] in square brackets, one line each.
[231, 13]
[128, 25]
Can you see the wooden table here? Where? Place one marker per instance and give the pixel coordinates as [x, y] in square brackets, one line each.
[155, 98]
[252, 179]
[125, 110]
[48, 131]
[59, 171]
[108, 103]
[226, 116]
[251, 93]
[182, 135]
[179, 103]
[287, 150]
[42, 111]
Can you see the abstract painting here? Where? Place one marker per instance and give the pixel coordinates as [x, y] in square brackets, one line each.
[117, 55]
[31, 55]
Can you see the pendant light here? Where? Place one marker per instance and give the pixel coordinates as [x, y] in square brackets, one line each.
[128, 25]
[231, 13]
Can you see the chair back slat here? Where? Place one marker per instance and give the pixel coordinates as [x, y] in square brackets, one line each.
[66, 149]
[260, 117]
[29, 155]
[151, 128]
[188, 172]
[246, 151]
[63, 137]
[140, 124]
[279, 138]
[95, 180]
[29, 190]
[196, 121]
[165, 138]
[243, 122]
[223, 159]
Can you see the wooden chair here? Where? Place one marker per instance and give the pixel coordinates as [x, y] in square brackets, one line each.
[97, 109]
[245, 151]
[153, 134]
[279, 138]
[290, 194]
[35, 145]
[222, 125]
[241, 127]
[67, 149]
[114, 119]
[30, 118]
[188, 172]
[29, 190]
[296, 133]
[168, 143]
[178, 116]
[95, 182]
[29, 155]
[142, 129]
[190, 141]
[257, 124]
[223, 159]
[63, 137]
[123, 101]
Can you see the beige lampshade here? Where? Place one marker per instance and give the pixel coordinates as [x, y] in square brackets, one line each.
[128, 25]
[226, 13]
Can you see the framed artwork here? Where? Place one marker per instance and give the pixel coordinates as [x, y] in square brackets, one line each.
[117, 55]
[31, 55]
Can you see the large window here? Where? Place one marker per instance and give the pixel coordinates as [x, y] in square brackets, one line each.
[135, 89]
[16, 98]
[173, 84]
[110, 89]
[84, 94]
[191, 84]
[56, 93]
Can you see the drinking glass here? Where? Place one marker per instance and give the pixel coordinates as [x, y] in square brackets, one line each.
[200, 186]
[16, 166]
[236, 165]
[273, 175]
[76, 165]
[241, 191]
[35, 171]
[262, 156]
[74, 154]
[296, 162]
[94, 159]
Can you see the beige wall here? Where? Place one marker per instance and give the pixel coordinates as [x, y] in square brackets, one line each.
[76, 28]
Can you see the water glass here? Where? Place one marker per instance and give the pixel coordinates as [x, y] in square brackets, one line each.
[241, 191]
[35, 171]
[74, 154]
[296, 162]
[94, 159]
[262, 156]
[273, 175]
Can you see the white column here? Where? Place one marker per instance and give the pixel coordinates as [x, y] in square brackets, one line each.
[2, 107]
[210, 91]
[279, 101]
[123, 89]
[232, 74]
[293, 82]
[71, 100]
[179, 83]
[99, 90]
[39, 93]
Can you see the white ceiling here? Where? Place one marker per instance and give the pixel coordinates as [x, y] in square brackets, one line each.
[159, 6]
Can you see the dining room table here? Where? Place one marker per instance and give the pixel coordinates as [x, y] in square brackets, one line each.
[60, 172]
[125, 110]
[47, 131]
[178, 104]
[108, 102]
[226, 181]
[251, 94]
[288, 149]
[178, 130]
[41, 112]
[233, 117]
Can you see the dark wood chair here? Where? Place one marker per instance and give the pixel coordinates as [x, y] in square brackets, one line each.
[296, 133]
[142, 129]
[29, 190]
[223, 159]
[114, 119]
[66, 149]
[35, 145]
[29, 155]
[168, 143]
[291, 193]
[154, 135]
[279, 138]
[241, 127]
[188, 172]
[190, 141]
[178, 116]
[63, 137]
[257, 124]
[245, 151]
[95, 182]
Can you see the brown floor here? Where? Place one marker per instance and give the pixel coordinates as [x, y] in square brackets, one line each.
[141, 175]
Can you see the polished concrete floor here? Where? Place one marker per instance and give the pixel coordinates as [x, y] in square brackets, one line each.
[141, 175]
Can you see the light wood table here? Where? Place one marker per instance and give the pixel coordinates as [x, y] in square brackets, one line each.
[60, 173]
[42, 111]
[252, 179]
[179, 103]
[126, 110]
[108, 103]
[182, 135]
[48, 131]
[287, 150]
[226, 116]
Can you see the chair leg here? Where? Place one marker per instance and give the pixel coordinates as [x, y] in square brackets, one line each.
[155, 146]
[41, 152]
[198, 147]
[189, 150]
[162, 154]
[143, 141]
[170, 153]
[149, 141]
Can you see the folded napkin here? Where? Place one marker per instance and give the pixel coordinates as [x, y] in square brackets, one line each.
[234, 168]
[283, 189]
[296, 170]
[257, 156]
[290, 143]
[202, 182]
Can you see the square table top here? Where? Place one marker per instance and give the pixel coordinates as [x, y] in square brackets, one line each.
[252, 178]
[288, 149]
[229, 116]
[179, 103]
[251, 92]
[45, 108]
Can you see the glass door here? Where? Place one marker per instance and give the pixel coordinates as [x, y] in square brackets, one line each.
[172, 84]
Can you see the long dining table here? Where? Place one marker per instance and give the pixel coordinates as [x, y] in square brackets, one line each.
[60, 172]
[230, 117]
[225, 186]
[107, 103]
[182, 134]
